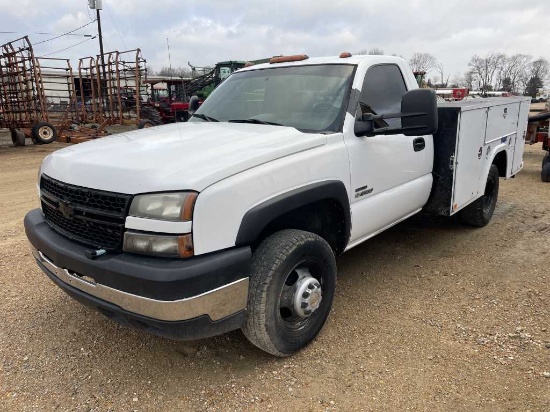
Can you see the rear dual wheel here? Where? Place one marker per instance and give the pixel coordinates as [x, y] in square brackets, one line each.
[291, 290]
[480, 212]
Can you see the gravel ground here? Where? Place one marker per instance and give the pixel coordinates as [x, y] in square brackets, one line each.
[430, 315]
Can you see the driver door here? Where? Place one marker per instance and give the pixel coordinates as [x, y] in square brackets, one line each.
[390, 174]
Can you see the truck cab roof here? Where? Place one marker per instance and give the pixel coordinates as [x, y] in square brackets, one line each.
[354, 59]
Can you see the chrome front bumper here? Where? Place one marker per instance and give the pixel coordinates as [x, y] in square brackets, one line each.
[217, 303]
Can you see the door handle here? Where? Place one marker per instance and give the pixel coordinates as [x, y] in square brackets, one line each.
[419, 144]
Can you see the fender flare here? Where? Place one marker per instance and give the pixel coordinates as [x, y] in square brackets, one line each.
[256, 219]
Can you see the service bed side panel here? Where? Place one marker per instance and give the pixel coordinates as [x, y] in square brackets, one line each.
[470, 135]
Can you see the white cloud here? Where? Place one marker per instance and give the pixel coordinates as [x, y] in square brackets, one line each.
[207, 31]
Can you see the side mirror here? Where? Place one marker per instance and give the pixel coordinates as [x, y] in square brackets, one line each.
[419, 108]
[193, 104]
[418, 116]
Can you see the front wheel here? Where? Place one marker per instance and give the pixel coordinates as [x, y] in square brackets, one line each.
[480, 212]
[291, 290]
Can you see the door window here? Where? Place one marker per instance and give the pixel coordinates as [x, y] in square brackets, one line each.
[382, 90]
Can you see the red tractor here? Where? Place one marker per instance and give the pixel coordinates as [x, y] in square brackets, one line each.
[166, 104]
[169, 97]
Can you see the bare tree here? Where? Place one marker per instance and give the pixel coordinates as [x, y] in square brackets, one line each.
[174, 72]
[485, 68]
[540, 68]
[457, 81]
[376, 51]
[422, 62]
[469, 80]
[373, 51]
[441, 70]
[513, 72]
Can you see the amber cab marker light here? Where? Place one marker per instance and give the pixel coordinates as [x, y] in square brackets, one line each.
[284, 59]
[345, 55]
[248, 64]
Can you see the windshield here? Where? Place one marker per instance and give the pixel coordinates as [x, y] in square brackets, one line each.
[309, 98]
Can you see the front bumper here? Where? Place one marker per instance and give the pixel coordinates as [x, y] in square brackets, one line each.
[181, 299]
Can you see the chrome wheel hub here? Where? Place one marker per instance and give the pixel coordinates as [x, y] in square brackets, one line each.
[308, 294]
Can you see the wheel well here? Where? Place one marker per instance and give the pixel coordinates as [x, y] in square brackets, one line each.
[500, 162]
[325, 218]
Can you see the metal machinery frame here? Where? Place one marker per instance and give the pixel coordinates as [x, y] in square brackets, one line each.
[40, 97]
[32, 105]
[117, 98]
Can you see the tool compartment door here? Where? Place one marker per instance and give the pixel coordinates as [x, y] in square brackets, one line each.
[469, 157]
[502, 121]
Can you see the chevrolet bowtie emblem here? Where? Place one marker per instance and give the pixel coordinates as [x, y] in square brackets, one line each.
[66, 209]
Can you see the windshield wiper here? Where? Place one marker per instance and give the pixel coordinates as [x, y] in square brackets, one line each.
[205, 117]
[254, 121]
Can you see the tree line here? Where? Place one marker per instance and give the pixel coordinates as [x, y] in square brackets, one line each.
[519, 73]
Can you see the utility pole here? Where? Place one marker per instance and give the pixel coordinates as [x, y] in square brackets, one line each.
[98, 5]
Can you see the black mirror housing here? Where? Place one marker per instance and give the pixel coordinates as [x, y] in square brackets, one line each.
[419, 110]
[418, 116]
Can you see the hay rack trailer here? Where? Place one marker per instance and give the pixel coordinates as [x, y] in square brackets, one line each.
[34, 104]
[110, 95]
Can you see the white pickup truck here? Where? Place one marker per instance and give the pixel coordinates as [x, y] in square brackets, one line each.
[234, 218]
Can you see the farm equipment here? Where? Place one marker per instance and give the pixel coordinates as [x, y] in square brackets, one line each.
[538, 132]
[36, 94]
[167, 103]
[41, 99]
[172, 104]
[114, 95]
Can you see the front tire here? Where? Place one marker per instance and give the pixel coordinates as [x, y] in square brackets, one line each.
[291, 290]
[480, 212]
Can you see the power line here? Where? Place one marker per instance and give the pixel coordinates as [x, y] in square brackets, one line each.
[48, 34]
[65, 34]
[88, 10]
[114, 24]
[70, 47]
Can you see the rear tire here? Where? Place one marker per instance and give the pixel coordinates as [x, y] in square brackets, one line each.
[480, 212]
[143, 124]
[44, 133]
[291, 290]
[545, 173]
[17, 137]
[152, 114]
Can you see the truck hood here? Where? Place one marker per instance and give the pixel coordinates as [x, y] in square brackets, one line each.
[180, 156]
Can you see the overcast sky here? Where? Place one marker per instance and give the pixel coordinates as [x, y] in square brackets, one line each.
[204, 32]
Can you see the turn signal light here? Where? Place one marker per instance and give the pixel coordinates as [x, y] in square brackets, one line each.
[345, 55]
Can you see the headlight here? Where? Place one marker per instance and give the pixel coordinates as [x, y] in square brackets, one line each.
[158, 245]
[174, 207]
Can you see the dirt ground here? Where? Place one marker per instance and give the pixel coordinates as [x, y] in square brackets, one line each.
[430, 315]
